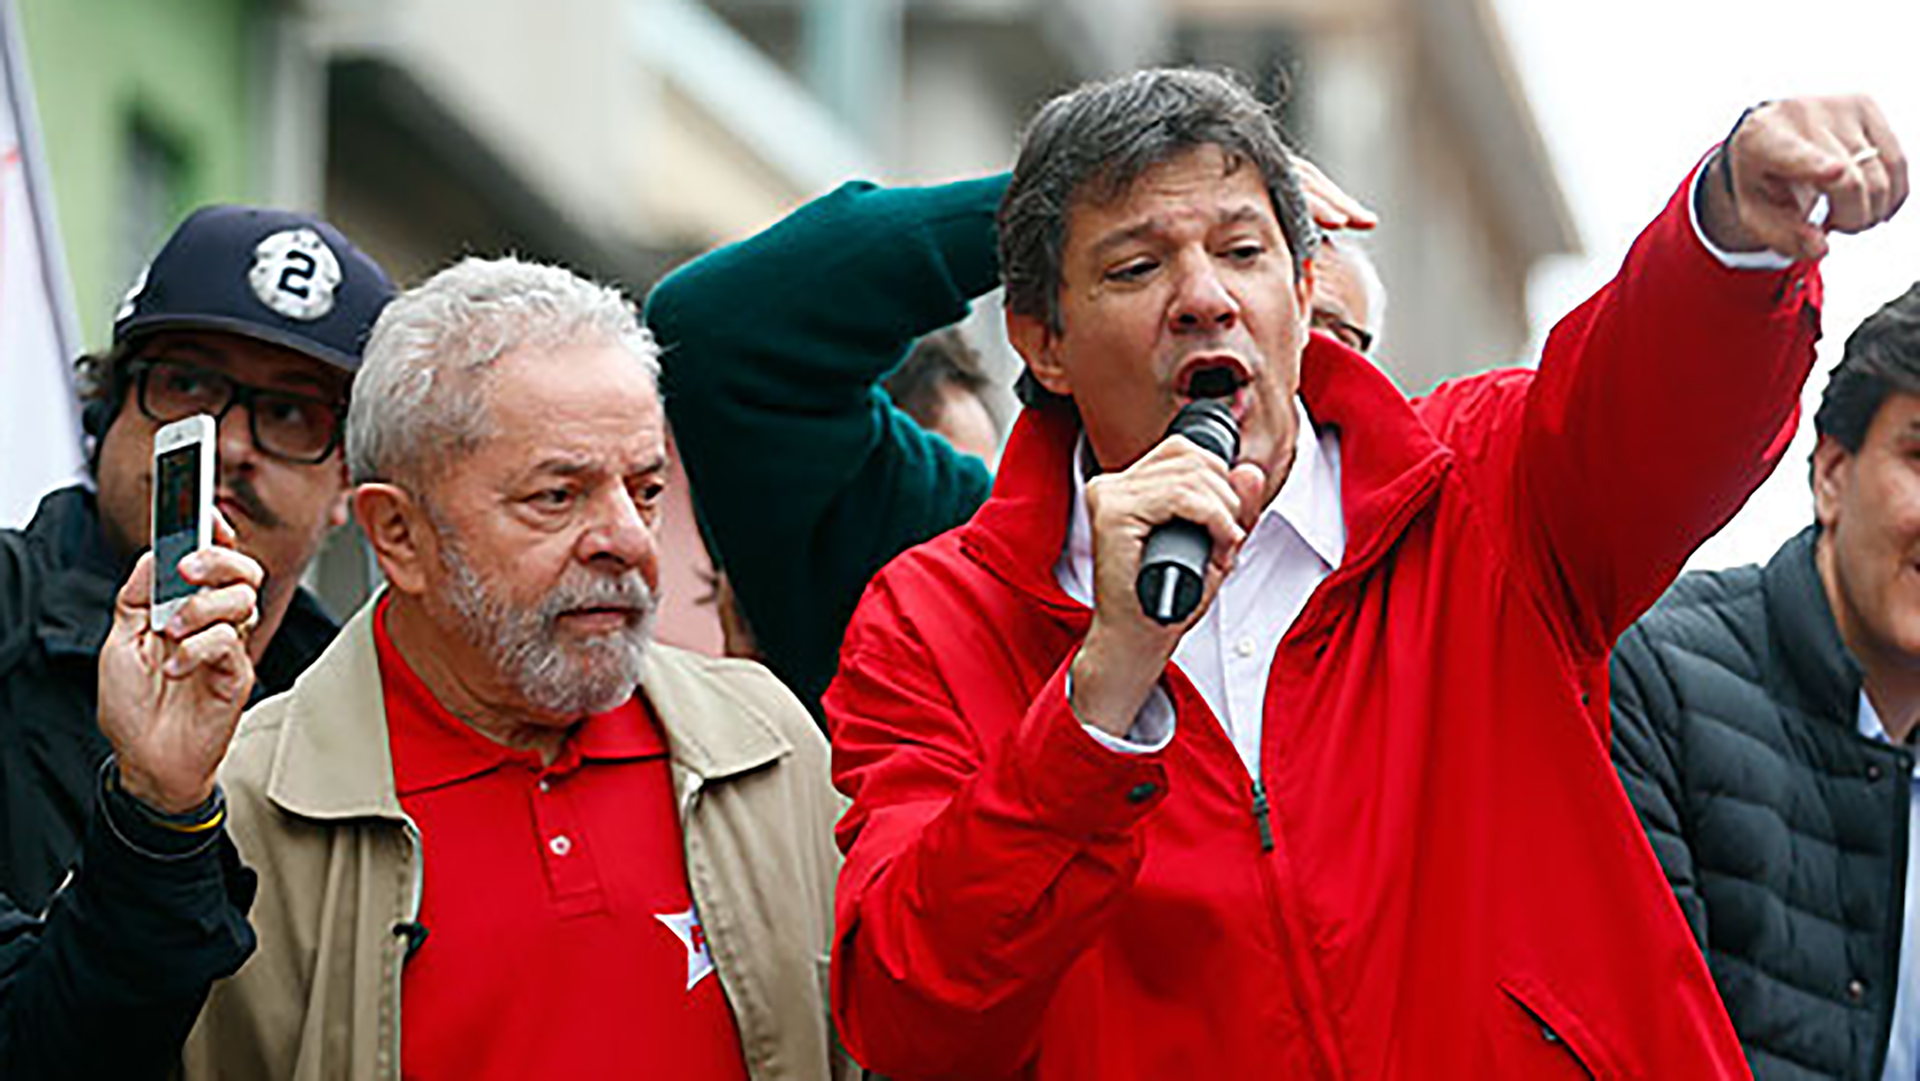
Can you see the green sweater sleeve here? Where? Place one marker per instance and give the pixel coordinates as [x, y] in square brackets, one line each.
[807, 477]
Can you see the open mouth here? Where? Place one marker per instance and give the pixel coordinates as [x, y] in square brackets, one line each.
[1220, 376]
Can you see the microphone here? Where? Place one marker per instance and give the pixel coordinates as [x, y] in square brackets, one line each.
[1173, 569]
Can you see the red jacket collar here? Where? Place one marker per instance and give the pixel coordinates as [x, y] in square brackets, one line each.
[1389, 461]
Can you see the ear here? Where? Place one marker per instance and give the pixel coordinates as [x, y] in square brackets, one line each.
[1832, 473]
[402, 538]
[337, 513]
[1039, 346]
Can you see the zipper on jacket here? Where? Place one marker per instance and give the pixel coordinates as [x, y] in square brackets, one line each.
[1260, 819]
[1295, 961]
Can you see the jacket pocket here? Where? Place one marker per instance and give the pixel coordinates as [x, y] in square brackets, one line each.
[1538, 1039]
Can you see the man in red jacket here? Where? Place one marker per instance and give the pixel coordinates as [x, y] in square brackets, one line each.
[1354, 818]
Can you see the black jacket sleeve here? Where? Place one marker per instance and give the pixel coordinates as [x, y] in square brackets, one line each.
[110, 982]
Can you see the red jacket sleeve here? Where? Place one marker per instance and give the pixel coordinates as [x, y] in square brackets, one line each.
[1660, 404]
[982, 856]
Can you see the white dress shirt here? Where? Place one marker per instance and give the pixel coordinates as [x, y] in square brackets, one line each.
[1297, 541]
[1903, 1042]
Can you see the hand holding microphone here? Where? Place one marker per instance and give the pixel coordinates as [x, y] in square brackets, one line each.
[1173, 566]
[1165, 532]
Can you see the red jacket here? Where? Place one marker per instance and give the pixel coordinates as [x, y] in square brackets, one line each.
[1456, 886]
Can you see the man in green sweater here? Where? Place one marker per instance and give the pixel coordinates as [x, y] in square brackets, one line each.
[807, 476]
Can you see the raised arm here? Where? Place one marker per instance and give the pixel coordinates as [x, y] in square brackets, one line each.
[807, 477]
[1665, 399]
[110, 984]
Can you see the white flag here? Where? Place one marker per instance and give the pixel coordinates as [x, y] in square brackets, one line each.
[39, 419]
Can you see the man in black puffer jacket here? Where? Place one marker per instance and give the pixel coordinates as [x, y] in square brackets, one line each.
[1763, 720]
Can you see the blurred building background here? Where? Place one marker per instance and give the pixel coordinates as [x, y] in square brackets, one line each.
[623, 136]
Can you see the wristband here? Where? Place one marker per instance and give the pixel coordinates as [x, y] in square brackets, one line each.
[168, 837]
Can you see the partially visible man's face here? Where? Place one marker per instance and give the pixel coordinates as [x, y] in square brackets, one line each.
[280, 510]
[546, 531]
[1340, 300]
[1187, 272]
[736, 635]
[1869, 509]
[964, 420]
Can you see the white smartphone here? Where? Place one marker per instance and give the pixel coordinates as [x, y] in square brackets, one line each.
[182, 507]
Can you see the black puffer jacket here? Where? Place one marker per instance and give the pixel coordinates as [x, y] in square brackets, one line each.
[1782, 830]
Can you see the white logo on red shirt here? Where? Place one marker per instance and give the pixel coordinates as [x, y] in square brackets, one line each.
[686, 927]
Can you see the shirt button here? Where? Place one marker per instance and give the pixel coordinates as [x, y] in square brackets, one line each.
[1142, 792]
[1856, 990]
[546, 785]
[1246, 647]
[560, 845]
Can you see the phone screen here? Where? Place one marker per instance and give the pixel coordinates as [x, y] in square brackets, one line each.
[175, 532]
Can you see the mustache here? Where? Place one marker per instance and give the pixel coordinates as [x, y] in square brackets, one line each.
[562, 675]
[588, 589]
[241, 490]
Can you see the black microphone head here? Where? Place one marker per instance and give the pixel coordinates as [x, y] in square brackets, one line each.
[1209, 422]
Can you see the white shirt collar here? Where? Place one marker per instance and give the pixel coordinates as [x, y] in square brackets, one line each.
[1869, 720]
[1309, 500]
[1308, 503]
[1872, 728]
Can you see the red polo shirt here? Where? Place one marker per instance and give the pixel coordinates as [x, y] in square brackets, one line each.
[562, 940]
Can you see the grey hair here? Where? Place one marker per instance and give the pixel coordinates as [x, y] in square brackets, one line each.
[1361, 260]
[420, 392]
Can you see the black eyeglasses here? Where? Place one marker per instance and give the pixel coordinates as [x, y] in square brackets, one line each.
[1358, 339]
[293, 427]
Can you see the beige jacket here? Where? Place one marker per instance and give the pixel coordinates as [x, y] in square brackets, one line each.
[309, 783]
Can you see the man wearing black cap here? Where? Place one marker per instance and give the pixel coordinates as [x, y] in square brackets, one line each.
[254, 316]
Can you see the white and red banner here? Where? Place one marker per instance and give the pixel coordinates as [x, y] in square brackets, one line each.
[39, 419]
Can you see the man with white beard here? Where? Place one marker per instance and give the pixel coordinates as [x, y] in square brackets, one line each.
[500, 833]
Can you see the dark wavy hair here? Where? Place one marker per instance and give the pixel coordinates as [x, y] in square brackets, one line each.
[1092, 143]
[940, 360]
[1882, 357]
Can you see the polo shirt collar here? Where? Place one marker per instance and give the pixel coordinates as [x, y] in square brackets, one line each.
[332, 759]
